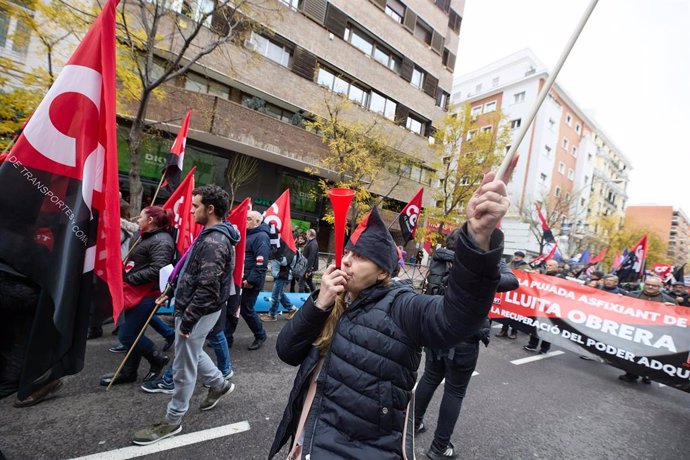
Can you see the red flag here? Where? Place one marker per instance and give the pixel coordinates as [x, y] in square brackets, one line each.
[543, 258]
[174, 165]
[663, 271]
[60, 224]
[409, 216]
[180, 204]
[548, 234]
[238, 217]
[599, 257]
[632, 266]
[278, 219]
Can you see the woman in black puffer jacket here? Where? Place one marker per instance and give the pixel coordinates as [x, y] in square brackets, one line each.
[151, 252]
[358, 339]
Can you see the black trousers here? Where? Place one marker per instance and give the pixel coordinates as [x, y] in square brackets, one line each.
[534, 342]
[456, 367]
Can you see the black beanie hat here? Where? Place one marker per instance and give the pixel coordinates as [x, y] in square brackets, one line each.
[372, 240]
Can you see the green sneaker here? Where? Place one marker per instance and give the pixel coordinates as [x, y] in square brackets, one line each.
[156, 433]
[215, 395]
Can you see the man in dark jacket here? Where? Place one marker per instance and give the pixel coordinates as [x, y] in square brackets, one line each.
[518, 262]
[609, 283]
[455, 364]
[256, 256]
[651, 291]
[204, 284]
[311, 253]
[679, 291]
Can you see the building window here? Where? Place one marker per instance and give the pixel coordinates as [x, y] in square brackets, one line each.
[571, 174]
[561, 167]
[476, 111]
[387, 58]
[552, 124]
[582, 202]
[567, 196]
[382, 105]
[519, 97]
[442, 100]
[486, 129]
[515, 124]
[574, 151]
[294, 4]
[414, 125]
[274, 51]
[542, 178]
[423, 32]
[417, 78]
[578, 128]
[15, 34]
[470, 134]
[565, 143]
[359, 40]
[357, 95]
[547, 150]
[568, 120]
[340, 85]
[558, 192]
[395, 10]
[490, 107]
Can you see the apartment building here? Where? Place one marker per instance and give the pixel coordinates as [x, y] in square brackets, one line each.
[566, 161]
[394, 59]
[668, 223]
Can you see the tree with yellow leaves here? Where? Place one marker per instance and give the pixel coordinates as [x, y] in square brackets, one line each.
[466, 148]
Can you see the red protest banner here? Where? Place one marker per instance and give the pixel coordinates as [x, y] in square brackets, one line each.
[643, 337]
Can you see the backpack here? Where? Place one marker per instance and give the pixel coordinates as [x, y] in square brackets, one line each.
[299, 265]
[437, 278]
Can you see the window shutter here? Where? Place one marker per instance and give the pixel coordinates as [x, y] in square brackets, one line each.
[304, 63]
[401, 114]
[410, 20]
[451, 62]
[428, 129]
[336, 21]
[315, 9]
[437, 42]
[406, 69]
[380, 3]
[220, 21]
[430, 85]
[454, 21]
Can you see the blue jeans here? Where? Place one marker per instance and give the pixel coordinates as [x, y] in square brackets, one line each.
[163, 329]
[134, 320]
[220, 347]
[278, 296]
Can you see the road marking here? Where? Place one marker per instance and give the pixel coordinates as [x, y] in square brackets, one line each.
[530, 359]
[170, 443]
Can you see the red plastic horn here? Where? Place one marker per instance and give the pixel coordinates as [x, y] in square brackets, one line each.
[340, 199]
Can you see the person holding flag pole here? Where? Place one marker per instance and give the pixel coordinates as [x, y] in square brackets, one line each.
[172, 172]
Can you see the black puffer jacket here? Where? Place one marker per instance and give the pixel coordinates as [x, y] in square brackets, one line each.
[155, 250]
[371, 366]
[205, 281]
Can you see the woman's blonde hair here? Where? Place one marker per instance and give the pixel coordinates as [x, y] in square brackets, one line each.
[324, 340]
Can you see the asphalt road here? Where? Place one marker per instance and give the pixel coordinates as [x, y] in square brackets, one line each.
[558, 407]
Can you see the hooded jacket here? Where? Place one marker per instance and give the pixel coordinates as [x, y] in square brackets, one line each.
[205, 281]
[370, 368]
[256, 255]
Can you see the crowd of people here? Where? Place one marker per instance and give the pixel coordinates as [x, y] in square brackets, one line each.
[357, 339]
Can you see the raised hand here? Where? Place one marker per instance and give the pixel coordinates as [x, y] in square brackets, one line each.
[486, 208]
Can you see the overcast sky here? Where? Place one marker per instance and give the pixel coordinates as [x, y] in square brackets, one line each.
[629, 70]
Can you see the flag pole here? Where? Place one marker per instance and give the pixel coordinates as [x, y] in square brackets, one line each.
[158, 189]
[545, 91]
[134, 344]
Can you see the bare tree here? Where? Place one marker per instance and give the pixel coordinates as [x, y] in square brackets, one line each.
[241, 170]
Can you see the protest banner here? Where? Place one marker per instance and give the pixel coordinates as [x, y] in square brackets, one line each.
[646, 338]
